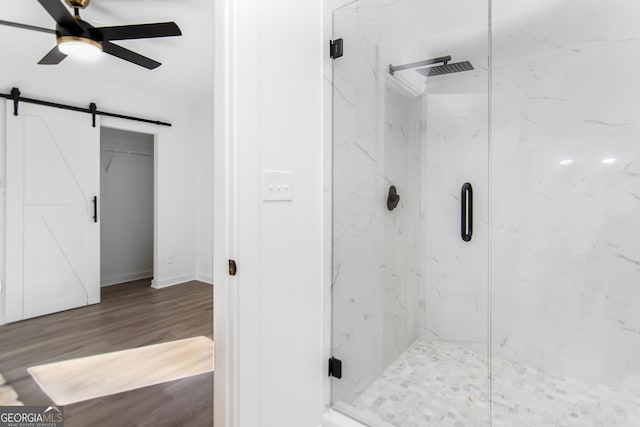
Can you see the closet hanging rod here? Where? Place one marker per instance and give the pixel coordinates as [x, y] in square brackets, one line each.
[131, 153]
[93, 109]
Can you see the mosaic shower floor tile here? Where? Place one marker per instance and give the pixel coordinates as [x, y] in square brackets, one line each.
[438, 384]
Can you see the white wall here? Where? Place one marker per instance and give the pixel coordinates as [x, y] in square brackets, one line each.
[289, 137]
[202, 128]
[175, 162]
[277, 106]
[126, 206]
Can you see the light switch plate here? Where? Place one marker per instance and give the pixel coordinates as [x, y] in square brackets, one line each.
[277, 185]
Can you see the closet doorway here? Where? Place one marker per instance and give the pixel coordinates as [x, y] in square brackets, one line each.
[127, 206]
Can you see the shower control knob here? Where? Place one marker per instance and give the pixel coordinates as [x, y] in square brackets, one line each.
[392, 198]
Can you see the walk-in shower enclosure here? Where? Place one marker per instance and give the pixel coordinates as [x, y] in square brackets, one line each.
[486, 199]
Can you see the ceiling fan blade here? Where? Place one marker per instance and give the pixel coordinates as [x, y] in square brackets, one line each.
[53, 57]
[26, 27]
[127, 55]
[142, 31]
[60, 14]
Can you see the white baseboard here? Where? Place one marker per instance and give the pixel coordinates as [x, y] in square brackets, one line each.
[171, 281]
[205, 278]
[123, 278]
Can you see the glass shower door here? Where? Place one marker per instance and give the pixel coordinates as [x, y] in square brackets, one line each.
[410, 213]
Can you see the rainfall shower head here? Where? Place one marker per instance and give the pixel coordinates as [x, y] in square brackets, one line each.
[439, 70]
[446, 69]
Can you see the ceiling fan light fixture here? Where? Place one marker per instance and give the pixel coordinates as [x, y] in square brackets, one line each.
[76, 37]
[82, 4]
[80, 47]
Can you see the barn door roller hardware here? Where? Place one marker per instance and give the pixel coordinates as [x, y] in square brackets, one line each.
[93, 109]
[15, 95]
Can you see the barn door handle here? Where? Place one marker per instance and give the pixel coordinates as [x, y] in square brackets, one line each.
[466, 214]
[95, 208]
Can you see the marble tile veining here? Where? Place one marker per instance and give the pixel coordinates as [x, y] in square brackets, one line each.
[376, 253]
[435, 383]
[561, 173]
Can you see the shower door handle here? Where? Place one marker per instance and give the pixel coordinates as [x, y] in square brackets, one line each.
[466, 214]
[95, 208]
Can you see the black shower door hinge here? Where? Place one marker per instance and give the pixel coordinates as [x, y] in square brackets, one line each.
[335, 368]
[335, 48]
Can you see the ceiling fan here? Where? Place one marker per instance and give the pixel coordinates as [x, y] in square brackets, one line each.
[77, 36]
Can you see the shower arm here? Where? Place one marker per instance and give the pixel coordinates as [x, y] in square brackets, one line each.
[394, 68]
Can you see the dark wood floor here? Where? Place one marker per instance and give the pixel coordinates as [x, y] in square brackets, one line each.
[130, 315]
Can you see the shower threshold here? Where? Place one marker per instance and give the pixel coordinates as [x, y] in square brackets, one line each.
[434, 383]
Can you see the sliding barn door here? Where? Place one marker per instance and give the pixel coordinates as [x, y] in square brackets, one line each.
[53, 241]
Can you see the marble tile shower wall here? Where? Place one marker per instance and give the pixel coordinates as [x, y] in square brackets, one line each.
[376, 261]
[455, 271]
[565, 178]
[402, 275]
[357, 211]
[566, 191]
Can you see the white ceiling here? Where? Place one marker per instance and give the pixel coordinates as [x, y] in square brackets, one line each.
[187, 61]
